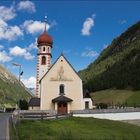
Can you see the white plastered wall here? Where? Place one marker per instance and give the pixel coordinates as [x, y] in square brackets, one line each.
[90, 103]
[34, 108]
[50, 86]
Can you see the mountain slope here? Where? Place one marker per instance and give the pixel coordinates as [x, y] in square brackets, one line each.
[10, 89]
[118, 66]
[117, 97]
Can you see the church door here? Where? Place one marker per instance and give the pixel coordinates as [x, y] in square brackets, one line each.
[62, 108]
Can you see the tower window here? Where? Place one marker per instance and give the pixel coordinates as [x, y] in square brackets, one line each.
[61, 89]
[44, 49]
[48, 50]
[43, 61]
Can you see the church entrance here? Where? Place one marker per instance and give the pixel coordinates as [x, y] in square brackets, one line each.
[62, 108]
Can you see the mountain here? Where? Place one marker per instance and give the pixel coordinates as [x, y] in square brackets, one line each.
[11, 90]
[32, 90]
[118, 66]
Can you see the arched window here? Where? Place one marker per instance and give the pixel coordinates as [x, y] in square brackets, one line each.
[44, 49]
[43, 61]
[61, 89]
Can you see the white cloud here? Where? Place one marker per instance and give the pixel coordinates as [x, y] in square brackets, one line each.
[29, 82]
[1, 47]
[3, 24]
[87, 25]
[18, 51]
[26, 6]
[105, 46]
[7, 13]
[4, 57]
[123, 21]
[28, 56]
[53, 23]
[32, 45]
[12, 32]
[89, 53]
[33, 27]
[93, 16]
[9, 32]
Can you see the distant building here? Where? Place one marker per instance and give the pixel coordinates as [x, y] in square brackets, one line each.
[58, 86]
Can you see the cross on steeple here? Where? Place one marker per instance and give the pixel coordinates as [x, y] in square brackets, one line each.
[45, 22]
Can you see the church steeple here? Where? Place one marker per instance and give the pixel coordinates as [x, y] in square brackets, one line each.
[44, 44]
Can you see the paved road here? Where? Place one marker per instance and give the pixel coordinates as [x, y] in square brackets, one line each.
[4, 126]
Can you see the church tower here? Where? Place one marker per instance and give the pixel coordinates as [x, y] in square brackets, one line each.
[44, 44]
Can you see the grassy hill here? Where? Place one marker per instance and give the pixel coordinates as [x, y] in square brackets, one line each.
[77, 128]
[118, 66]
[117, 97]
[10, 89]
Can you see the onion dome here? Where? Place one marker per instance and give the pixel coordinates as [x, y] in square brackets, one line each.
[45, 39]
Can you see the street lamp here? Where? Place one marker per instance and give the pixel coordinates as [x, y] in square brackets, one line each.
[18, 65]
[20, 73]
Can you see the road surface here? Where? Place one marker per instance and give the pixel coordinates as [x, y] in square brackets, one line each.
[4, 126]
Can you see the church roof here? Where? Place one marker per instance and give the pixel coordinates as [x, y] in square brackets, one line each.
[44, 39]
[61, 98]
[55, 63]
[34, 102]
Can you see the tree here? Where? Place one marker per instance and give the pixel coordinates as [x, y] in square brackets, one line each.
[23, 104]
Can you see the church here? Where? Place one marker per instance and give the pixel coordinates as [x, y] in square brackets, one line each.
[58, 86]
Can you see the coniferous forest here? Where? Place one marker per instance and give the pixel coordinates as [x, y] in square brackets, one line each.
[118, 66]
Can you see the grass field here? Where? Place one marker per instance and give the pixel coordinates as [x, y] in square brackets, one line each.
[77, 129]
[115, 97]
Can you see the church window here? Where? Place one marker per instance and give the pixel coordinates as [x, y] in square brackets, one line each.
[44, 49]
[61, 90]
[86, 105]
[43, 62]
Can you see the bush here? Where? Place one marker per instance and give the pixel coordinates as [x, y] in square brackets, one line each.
[101, 106]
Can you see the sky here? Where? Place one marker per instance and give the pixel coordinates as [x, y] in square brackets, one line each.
[80, 29]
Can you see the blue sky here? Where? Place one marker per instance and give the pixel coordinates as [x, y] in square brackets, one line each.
[80, 29]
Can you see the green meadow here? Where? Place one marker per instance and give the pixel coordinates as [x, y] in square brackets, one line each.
[117, 97]
[76, 128]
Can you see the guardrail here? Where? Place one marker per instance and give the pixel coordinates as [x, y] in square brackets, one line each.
[98, 111]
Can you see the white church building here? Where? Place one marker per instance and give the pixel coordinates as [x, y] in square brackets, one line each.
[58, 86]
